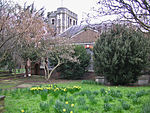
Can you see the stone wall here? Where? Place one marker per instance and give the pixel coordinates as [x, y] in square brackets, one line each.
[142, 80]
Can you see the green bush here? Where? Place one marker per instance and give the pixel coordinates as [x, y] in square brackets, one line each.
[72, 70]
[121, 54]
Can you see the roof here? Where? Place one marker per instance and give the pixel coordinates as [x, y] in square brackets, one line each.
[71, 31]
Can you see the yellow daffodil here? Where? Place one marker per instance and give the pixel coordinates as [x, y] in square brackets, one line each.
[71, 111]
[22, 111]
[57, 88]
[48, 88]
[64, 110]
[66, 102]
[72, 105]
[65, 89]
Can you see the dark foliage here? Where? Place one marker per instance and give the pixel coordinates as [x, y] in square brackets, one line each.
[121, 54]
[72, 70]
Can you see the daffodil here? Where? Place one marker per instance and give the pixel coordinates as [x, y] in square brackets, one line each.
[64, 110]
[66, 102]
[22, 111]
[65, 89]
[71, 111]
[72, 105]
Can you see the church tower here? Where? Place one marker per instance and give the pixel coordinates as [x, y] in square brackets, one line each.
[61, 19]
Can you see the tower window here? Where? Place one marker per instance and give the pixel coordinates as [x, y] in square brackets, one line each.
[74, 22]
[70, 21]
[53, 21]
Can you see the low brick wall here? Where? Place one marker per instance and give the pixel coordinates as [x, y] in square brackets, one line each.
[2, 104]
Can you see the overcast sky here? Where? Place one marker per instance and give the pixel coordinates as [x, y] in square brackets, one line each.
[80, 7]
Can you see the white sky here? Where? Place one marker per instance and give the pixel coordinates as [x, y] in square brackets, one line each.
[80, 7]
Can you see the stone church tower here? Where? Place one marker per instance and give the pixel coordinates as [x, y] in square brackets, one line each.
[61, 19]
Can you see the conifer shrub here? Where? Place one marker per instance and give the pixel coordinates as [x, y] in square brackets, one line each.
[121, 54]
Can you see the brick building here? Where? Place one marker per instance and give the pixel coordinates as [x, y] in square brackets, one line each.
[83, 35]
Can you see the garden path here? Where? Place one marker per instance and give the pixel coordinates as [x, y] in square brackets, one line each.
[22, 82]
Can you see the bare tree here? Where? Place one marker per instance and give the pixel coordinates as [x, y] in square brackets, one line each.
[37, 29]
[134, 11]
[19, 28]
[7, 34]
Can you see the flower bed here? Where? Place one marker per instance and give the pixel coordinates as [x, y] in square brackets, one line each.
[76, 98]
[53, 90]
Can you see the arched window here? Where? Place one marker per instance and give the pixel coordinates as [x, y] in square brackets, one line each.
[53, 21]
[74, 23]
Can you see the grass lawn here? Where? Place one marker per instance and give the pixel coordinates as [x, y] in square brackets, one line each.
[70, 98]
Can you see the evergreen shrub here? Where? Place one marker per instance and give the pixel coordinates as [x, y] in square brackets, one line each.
[121, 54]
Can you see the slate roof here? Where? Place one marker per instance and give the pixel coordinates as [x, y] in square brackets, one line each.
[73, 30]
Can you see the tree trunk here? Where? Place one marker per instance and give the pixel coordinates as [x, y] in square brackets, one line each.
[15, 67]
[15, 72]
[46, 71]
[53, 70]
[58, 64]
[45, 74]
[26, 68]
